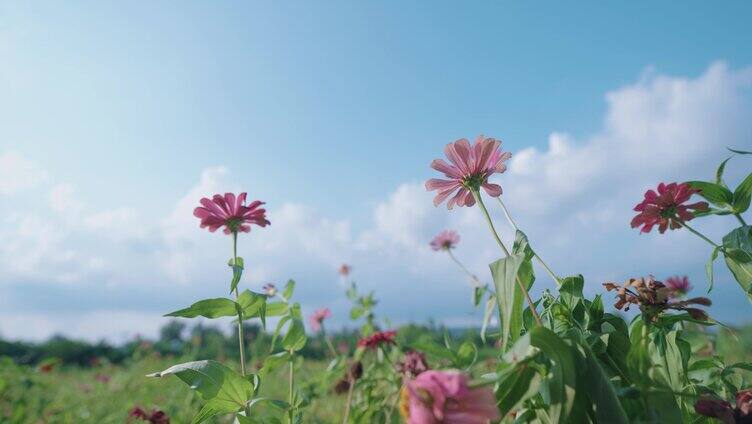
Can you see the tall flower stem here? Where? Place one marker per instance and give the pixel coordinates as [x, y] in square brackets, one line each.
[241, 338]
[531, 304]
[741, 220]
[348, 403]
[699, 234]
[291, 383]
[328, 341]
[463, 268]
[516, 228]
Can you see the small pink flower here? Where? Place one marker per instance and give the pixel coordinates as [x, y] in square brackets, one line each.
[377, 339]
[344, 270]
[678, 286]
[445, 240]
[744, 402]
[666, 208]
[435, 397]
[230, 212]
[318, 317]
[269, 289]
[470, 169]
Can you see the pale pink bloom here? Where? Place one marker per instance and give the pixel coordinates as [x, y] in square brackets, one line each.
[469, 171]
[230, 212]
[344, 270]
[318, 317]
[678, 286]
[445, 240]
[444, 397]
[269, 289]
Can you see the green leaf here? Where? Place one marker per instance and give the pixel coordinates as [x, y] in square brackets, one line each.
[741, 152]
[273, 362]
[719, 172]
[209, 308]
[601, 392]
[487, 314]
[206, 412]
[571, 290]
[709, 267]
[276, 309]
[288, 290]
[560, 390]
[237, 272]
[222, 388]
[478, 293]
[522, 383]
[253, 305]
[713, 193]
[509, 296]
[433, 349]
[295, 337]
[467, 354]
[742, 195]
[738, 245]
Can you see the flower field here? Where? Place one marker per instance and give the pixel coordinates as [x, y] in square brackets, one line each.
[642, 350]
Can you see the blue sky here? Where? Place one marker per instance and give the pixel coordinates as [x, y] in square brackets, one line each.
[114, 117]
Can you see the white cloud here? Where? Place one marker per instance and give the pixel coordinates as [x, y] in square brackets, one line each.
[17, 173]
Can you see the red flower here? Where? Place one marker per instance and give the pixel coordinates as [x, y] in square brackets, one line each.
[344, 270]
[666, 208]
[744, 402]
[375, 340]
[155, 416]
[230, 212]
[715, 408]
[470, 169]
[678, 286]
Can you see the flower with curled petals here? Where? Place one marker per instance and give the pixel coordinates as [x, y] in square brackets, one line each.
[470, 168]
[230, 211]
[317, 318]
[445, 240]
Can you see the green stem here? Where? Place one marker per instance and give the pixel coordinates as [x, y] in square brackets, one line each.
[531, 304]
[535, 255]
[741, 220]
[350, 390]
[699, 234]
[290, 412]
[241, 338]
[328, 341]
[464, 269]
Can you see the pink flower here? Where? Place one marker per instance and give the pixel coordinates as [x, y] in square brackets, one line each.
[269, 289]
[230, 212]
[715, 408]
[471, 166]
[744, 402]
[377, 339]
[678, 286]
[444, 397]
[318, 317]
[412, 364]
[344, 270]
[666, 208]
[445, 240]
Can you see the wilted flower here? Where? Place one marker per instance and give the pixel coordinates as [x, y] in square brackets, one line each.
[318, 317]
[744, 403]
[653, 298]
[269, 289]
[444, 397]
[376, 339]
[445, 240]
[470, 169]
[230, 212]
[412, 364]
[715, 408]
[678, 286]
[353, 374]
[155, 416]
[344, 270]
[666, 208]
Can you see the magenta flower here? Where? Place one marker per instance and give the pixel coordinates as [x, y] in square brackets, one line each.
[715, 408]
[318, 317]
[666, 208]
[471, 166]
[444, 397]
[678, 286]
[344, 270]
[377, 339]
[445, 240]
[230, 212]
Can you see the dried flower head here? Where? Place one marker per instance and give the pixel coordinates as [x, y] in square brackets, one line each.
[344, 270]
[445, 240]
[653, 297]
[413, 364]
[666, 208]
[470, 169]
[230, 211]
[715, 408]
[377, 339]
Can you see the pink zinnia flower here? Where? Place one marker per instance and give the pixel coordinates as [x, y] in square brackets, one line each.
[444, 397]
[445, 240]
[678, 286]
[230, 212]
[471, 166]
[377, 339]
[666, 208]
[318, 317]
[344, 270]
